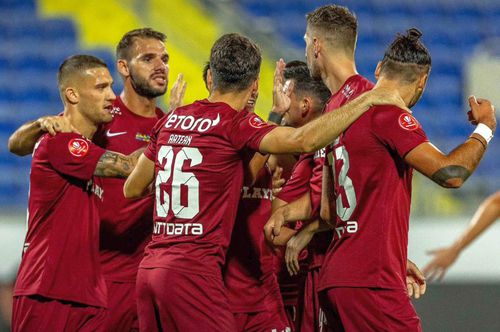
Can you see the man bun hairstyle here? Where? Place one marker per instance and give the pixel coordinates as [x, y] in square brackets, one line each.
[128, 39]
[407, 57]
[304, 84]
[234, 63]
[336, 24]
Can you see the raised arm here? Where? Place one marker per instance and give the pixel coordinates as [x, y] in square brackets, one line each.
[23, 140]
[483, 218]
[323, 130]
[114, 164]
[451, 170]
[141, 178]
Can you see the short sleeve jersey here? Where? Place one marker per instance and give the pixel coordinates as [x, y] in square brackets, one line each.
[126, 225]
[61, 250]
[373, 193]
[249, 271]
[197, 151]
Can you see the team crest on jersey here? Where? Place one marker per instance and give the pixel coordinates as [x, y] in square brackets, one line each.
[257, 122]
[408, 122]
[78, 147]
[142, 137]
[347, 91]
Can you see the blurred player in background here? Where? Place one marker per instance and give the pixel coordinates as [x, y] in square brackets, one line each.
[195, 154]
[60, 285]
[142, 62]
[372, 164]
[483, 218]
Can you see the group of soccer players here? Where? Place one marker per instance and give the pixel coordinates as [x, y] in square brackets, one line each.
[182, 235]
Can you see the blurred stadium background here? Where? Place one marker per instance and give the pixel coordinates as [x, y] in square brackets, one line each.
[462, 35]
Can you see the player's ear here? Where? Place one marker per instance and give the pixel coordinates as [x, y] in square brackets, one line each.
[305, 106]
[71, 95]
[255, 87]
[209, 80]
[377, 70]
[316, 47]
[422, 81]
[122, 66]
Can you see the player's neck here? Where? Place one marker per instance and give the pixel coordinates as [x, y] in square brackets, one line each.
[82, 125]
[137, 104]
[237, 100]
[337, 71]
[406, 91]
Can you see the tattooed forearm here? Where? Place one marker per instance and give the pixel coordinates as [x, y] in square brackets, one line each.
[112, 164]
[449, 176]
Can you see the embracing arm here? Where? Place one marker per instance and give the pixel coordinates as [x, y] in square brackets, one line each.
[142, 176]
[23, 140]
[114, 164]
[323, 130]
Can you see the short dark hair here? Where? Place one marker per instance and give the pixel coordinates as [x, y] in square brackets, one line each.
[77, 64]
[304, 84]
[406, 58]
[128, 39]
[205, 72]
[336, 24]
[234, 62]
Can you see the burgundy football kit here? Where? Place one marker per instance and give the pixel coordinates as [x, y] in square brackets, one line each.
[126, 225]
[249, 274]
[197, 151]
[60, 285]
[362, 282]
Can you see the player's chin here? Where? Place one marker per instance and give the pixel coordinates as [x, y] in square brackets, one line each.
[106, 116]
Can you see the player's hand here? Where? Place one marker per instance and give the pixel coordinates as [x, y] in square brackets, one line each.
[415, 280]
[55, 124]
[281, 90]
[442, 259]
[277, 181]
[294, 247]
[384, 96]
[273, 226]
[177, 93]
[482, 111]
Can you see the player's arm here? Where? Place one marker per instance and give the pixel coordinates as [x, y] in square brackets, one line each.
[114, 164]
[327, 197]
[323, 130]
[283, 213]
[140, 179]
[483, 218]
[451, 170]
[23, 140]
[299, 241]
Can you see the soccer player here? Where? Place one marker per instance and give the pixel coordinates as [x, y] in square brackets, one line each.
[194, 155]
[60, 285]
[372, 164]
[484, 217]
[142, 62]
[249, 274]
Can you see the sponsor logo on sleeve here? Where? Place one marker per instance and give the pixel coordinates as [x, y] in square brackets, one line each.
[408, 122]
[78, 147]
[257, 122]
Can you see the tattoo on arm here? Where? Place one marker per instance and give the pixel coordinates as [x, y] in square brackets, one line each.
[112, 164]
[445, 174]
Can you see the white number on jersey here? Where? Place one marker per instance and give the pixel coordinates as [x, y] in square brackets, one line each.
[179, 178]
[345, 182]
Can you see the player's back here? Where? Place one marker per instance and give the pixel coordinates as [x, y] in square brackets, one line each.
[373, 193]
[199, 175]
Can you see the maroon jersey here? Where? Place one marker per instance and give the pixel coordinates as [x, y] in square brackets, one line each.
[126, 225]
[61, 250]
[373, 193]
[249, 273]
[197, 151]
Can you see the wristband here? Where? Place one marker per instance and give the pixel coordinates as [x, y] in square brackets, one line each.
[484, 131]
[275, 117]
